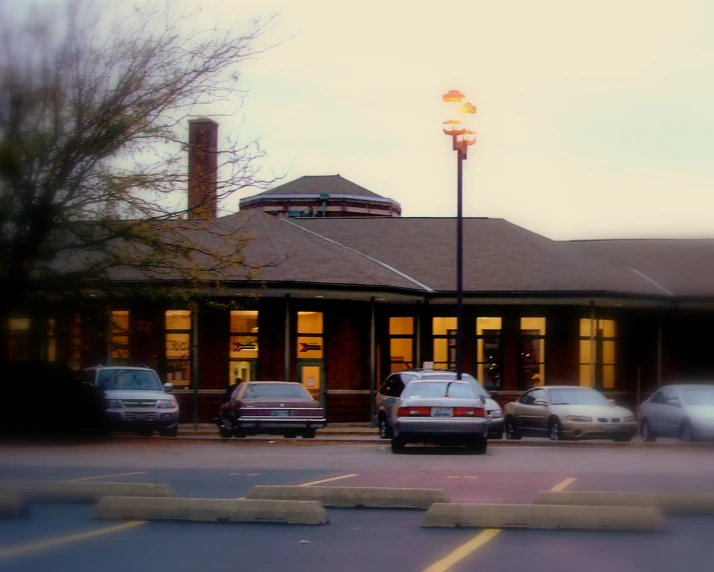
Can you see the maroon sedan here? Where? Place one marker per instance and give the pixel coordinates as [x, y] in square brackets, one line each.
[270, 407]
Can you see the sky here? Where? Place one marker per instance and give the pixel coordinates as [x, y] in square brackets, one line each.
[595, 119]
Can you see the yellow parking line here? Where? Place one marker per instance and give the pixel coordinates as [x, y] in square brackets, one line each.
[234, 474]
[471, 477]
[327, 480]
[6, 553]
[106, 476]
[463, 551]
[562, 485]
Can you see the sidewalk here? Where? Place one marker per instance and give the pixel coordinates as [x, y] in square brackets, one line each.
[336, 429]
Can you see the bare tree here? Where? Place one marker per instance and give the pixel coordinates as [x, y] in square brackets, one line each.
[93, 106]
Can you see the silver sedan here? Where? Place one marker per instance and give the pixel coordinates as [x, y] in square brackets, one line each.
[685, 412]
[441, 412]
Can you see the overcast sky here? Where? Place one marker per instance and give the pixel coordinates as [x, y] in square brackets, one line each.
[595, 119]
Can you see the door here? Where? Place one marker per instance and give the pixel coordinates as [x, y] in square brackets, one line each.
[672, 413]
[656, 413]
[245, 370]
[311, 374]
[530, 415]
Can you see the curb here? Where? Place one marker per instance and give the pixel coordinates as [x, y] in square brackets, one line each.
[210, 510]
[353, 497]
[668, 503]
[12, 505]
[82, 492]
[544, 517]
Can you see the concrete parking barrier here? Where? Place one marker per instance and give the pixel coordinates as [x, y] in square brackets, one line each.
[666, 502]
[60, 491]
[353, 497]
[210, 510]
[548, 517]
[12, 505]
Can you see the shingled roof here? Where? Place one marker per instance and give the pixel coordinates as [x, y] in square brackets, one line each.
[318, 185]
[417, 256]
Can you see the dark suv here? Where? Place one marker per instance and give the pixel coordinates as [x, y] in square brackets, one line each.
[393, 386]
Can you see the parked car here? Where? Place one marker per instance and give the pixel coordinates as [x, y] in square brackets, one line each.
[685, 412]
[568, 412]
[136, 399]
[62, 407]
[270, 407]
[444, 412]
[394, 385]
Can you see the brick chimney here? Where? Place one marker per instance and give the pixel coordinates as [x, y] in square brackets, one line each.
[202, 168]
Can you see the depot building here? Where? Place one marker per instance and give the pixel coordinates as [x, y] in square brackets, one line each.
[349, 291]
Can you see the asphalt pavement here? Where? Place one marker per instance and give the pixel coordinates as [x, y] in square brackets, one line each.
[61, 537]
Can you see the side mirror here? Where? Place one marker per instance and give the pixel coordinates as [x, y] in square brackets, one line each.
[169, 387]
[494, 396]
[541, 402]
[612, 401]
[483, 399]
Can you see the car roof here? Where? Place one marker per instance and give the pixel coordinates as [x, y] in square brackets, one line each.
[688, 385]
[119, 367]
[272, 382]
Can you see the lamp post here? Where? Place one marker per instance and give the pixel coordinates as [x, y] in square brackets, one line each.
[457, 127]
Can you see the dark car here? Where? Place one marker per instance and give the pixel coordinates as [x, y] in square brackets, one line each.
[270, 407]
[43, 401]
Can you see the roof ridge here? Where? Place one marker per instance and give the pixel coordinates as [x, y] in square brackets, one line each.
[357, 252]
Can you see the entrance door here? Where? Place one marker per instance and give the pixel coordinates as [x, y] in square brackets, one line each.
[311, 375]
[244, 369]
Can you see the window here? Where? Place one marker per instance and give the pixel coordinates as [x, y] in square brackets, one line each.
[401, 343]
[178, 347]
[19, 339]
[275, 391]
[597, 356]
[243, 345]
[440, 389]
[444, 334]
[531, 365]
[119, 337]
[134, 379]
[527, 398]
[659, 397]
[393, 386]
[309, 332]
[488, 352]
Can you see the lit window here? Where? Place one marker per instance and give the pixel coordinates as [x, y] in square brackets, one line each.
[489, 360]
[178, 347]
[401, 343]
[531, 365]
[597, 353]
[243, 345]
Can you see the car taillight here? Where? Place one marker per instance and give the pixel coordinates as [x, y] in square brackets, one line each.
[468, 412]
[414, 412]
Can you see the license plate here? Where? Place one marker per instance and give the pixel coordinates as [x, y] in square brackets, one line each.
[442, 412]
[139, 416]
[281, 412]
[610, 428]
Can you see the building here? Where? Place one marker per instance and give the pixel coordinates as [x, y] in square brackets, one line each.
[340, 302]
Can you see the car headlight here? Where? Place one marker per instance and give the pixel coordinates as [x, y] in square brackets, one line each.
[115, 404]
[166, 404]
[579, 418]
[630, 419]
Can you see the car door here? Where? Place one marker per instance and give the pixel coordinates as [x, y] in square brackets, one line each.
[656, 412]
[391, 390]
[524, 411]
[672, 411]
[541, 412]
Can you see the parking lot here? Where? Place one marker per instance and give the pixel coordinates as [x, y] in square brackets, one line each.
[64, 537]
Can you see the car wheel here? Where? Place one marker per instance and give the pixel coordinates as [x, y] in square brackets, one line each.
[173, 432]
[511, 430]
[385, 431]
[239, 434]
[398, 445]
[495, 436]
[309, 434]
[145, 433]
[686, 433]
[646, 431]
[555, 430]
[622, 438]
[290, 435]
[225, 432]
[479, 446]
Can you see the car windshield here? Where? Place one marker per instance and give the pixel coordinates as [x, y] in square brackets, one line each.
[275, 391]
[475, 385]
[141, 379]
[439, 389]
[698, 395]
[576, 396]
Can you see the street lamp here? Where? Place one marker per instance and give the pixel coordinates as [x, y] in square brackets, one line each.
[458, 127]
